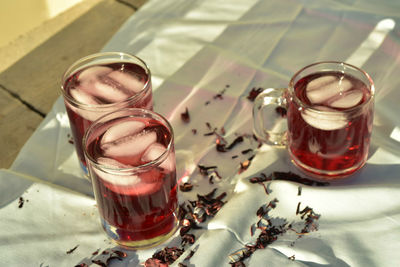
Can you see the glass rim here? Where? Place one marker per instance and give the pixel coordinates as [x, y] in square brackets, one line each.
[72, 69]
[301, 104]
[131, 112]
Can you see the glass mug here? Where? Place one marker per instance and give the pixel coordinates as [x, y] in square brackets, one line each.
[102, 83]
[324, 118]
[131, 162]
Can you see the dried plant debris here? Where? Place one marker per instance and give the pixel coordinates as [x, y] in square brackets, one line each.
[21, 202]
[190, 215]
[299, 189]
[245, 164]
[185, 116]
[254, 92]
[222, 146]
[271, 228]
[186, 187]
[72, 249]
[205, 170]
[219, 95]
[210, 172]
[70, 139]
[107, 256]
[286, 176]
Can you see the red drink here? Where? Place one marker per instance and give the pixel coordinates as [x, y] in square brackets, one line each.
[329, 127]
[100, 84]
[132, 165]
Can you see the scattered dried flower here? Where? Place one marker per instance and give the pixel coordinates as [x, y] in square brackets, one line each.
[185, 116]
[254, 92]
[72, 249]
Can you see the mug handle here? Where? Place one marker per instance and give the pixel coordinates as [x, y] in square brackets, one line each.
[269, 116]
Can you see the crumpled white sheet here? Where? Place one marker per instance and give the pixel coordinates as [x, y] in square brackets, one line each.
[196, 49]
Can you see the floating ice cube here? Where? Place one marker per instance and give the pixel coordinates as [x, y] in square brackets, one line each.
[93, 73]
[113, 178]
[83, 97]
[347, 100]
[321, 81]
[154, 151]
[106, 90]
[130, 148]
[127, 80]
[145, 183]
[322, 89]
[323, 121]
[122, 129]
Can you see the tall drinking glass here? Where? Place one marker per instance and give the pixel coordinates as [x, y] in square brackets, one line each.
[102, 83]
[131, 161]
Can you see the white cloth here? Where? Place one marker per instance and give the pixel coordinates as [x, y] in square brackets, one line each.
[194, 50]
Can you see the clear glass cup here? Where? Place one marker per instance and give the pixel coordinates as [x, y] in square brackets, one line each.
[102, 83]
[324, 118]
[131, 162]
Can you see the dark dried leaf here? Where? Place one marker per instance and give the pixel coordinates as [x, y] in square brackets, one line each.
[186, 187]
[72, 249]
[204, 169]
[289, 176]
[185, 116]
[21, 202]
[254, 93]
[188, 238]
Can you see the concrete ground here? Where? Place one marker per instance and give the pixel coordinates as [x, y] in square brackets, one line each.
[32, 65]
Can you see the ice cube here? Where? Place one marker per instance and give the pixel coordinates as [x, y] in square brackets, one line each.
[322, 89]
[122, 129]
[154, 151]
[347, 100]
[106, 90]
[127, 80]
[145, 183]
[320, 81]
[114, 178]
[129, 149]
[83, 97]
[321, 120]
[93, 73]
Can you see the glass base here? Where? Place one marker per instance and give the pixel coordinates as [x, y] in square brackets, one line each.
[323, 175]
[112, 233]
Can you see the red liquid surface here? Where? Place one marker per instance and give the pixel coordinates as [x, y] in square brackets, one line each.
[138, 208]
[324, 146]
[80, 119]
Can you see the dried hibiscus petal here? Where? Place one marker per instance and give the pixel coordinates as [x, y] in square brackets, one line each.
[72, 249]
[254, 92]
[186, 187]
[21, 202]
[185, 116]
